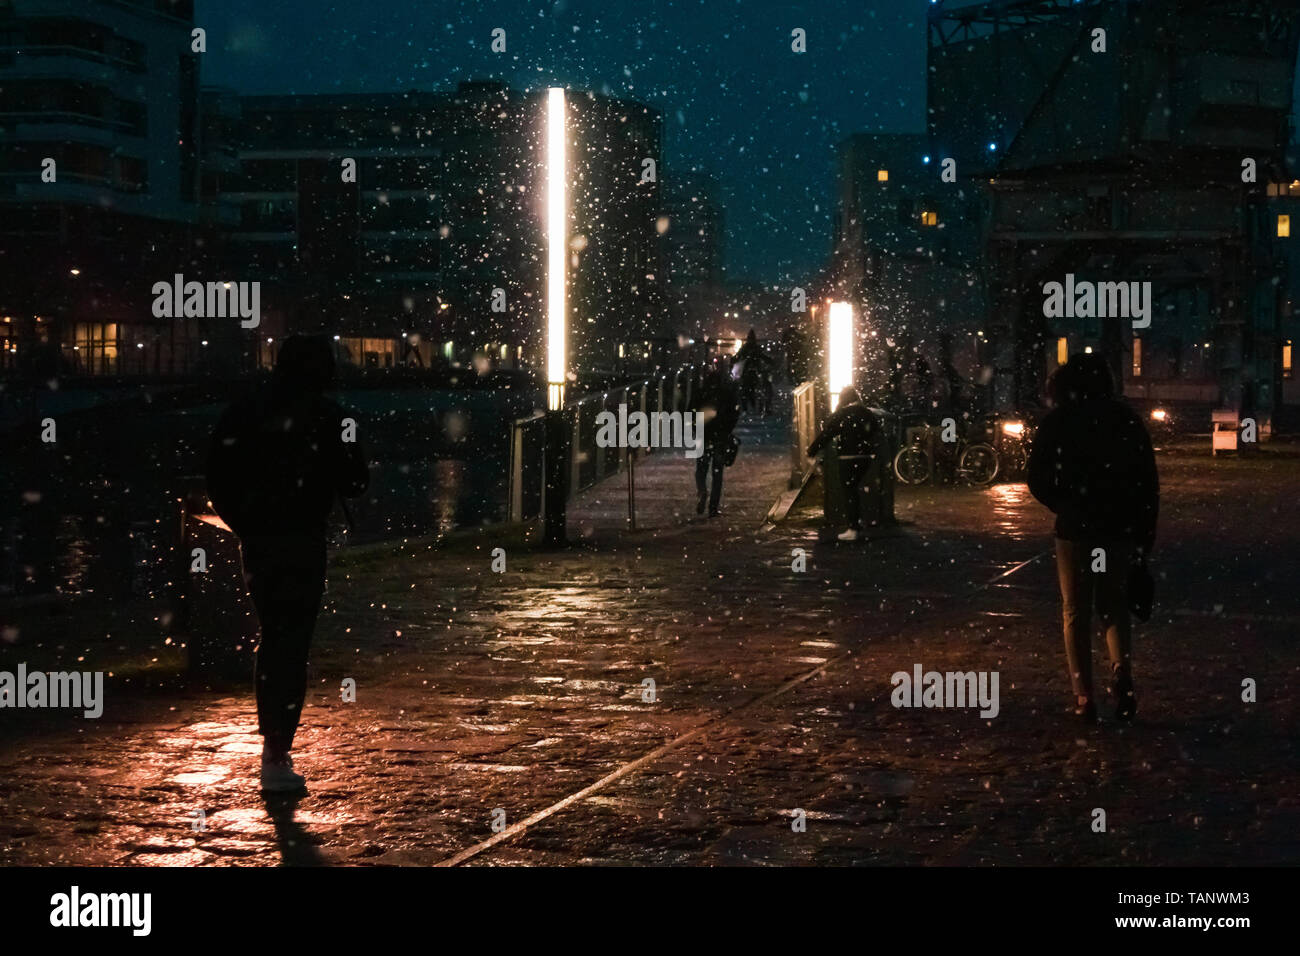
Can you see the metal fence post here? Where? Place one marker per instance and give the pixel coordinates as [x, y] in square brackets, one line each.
[557, 492]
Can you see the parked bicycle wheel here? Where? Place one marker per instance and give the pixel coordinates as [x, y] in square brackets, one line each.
[979, 464]
[912, 466]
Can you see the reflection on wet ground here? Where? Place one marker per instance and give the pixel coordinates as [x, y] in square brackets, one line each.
[480, 691]
[1008, 508]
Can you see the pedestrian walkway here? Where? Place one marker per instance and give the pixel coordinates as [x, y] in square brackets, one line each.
[664, 485]
[486, 698]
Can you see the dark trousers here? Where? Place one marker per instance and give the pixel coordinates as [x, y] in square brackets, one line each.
[286, 579]
[710, 460]
[1081, 590]
[852, 471]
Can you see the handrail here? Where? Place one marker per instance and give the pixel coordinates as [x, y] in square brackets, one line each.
[802, 432]
[589, 463]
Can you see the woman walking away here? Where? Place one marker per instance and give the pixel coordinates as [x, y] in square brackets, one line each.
[854, 426]
[1093, 466]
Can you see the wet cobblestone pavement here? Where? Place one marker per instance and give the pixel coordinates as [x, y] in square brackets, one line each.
[479, 692]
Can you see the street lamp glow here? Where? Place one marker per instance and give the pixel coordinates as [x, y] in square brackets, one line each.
[839, 350]
[556, 247]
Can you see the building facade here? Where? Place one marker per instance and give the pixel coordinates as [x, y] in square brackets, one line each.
[906, 254]
[410, 225]
[693, 224]
[1125, 142]
[407, 225]
[99, 184]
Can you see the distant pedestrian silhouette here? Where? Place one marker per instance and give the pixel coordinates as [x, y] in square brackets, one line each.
[1093, 465]
[755, 376]
[854, 428]
[719, 404]
[277, 462]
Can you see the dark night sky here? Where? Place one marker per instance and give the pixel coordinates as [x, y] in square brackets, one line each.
[735, 98]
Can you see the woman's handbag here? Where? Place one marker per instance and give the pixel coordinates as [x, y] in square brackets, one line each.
[730, 450]
[1141, 589]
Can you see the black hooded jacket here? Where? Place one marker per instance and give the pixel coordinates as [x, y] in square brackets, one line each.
[1093, 465]
[855, 425]
[720, 403]
[278, 458]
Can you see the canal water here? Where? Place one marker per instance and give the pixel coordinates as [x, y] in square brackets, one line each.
[93, 513]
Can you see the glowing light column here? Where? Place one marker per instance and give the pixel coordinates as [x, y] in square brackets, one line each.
[839, 350]
[556, 247]
[558, 426]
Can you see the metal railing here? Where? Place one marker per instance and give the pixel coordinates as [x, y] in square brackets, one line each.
[589, 463]
[802, 431]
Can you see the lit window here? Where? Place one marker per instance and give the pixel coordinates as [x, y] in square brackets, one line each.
[882, 175]
[95, 345]
[1062, 350]
[1287, 371]
[368, 352]
[1283, 227]
[929, 218]
[1137, 357]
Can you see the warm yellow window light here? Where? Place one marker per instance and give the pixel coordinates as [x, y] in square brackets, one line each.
[882, 175]
[1283, 227]
[1062, 350]
[929, 218]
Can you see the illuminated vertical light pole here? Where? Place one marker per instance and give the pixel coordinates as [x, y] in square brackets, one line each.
[557, 430]
[556, 247]
[839, 350]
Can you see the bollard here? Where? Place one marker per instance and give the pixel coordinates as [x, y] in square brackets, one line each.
[557, 478]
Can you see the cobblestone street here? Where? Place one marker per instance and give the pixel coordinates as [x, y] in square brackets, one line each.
[479, 691]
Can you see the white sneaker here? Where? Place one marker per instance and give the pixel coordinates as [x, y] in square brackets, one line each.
[279, 777]
[850, 535]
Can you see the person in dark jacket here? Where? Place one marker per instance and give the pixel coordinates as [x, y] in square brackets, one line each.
[854, 428]
[277, 461]
[719, 405]
[1093, 465]
[755, 374]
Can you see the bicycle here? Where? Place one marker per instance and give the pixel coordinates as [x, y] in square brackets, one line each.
[977, 462]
